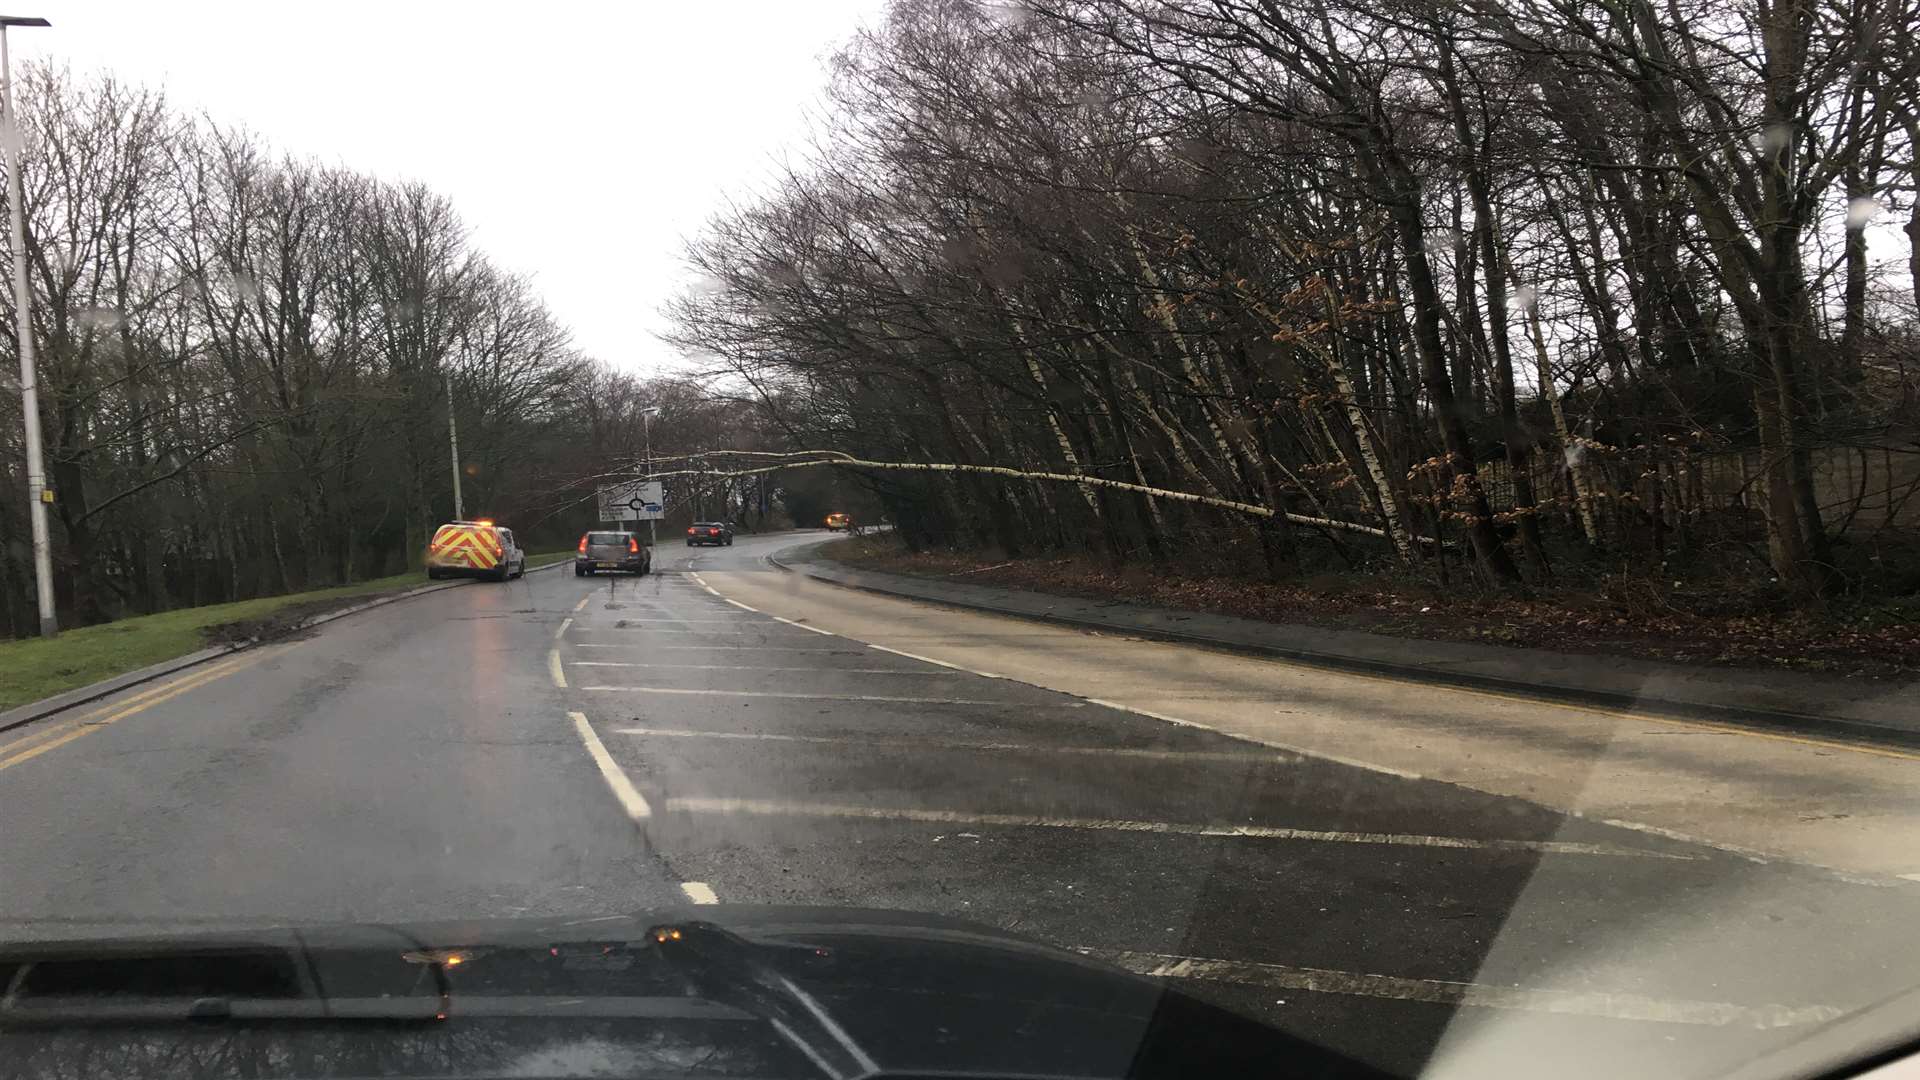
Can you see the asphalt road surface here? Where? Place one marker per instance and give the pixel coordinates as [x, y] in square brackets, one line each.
[562, 745]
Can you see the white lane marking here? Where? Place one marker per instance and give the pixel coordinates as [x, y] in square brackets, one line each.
[703, 584]
[1746, 853]
[1249, 756]
[802, 625]
[564, 623]
[736, 620]
[1615, 1006]
[671, 630]
[582, 605]
[937, 663]
[553, 668]
[757, 667]
[715, 648]
[1179, 828]
[743, 607]
[840, 697]
[1288, 747]
[630, 798]
[699, 892]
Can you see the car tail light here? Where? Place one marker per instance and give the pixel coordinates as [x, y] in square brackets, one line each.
[583, 545]
[693, 532]
[633, 546]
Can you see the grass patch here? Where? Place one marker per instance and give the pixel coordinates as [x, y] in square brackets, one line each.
[33, 669]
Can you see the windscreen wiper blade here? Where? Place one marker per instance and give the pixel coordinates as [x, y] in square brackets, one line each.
[728, 969]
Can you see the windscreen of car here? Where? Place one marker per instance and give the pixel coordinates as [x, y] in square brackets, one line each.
[1401, 520]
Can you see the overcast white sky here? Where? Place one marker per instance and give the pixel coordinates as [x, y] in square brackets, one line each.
[581, 142]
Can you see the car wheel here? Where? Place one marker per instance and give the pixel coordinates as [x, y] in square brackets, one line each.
[579, 572]
[434, 575]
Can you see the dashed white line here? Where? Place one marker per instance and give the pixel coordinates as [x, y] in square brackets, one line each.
[670, 630]
[564, 624]
[1439, 991]
[584, 601]
[699, 892]
[837, 697]
[742, 606]
[735, 620]
[801, 625]
[1247, 756]
[769, 807]
[630, 798]
[703, 584]
[553, 668]
[937, 663]
[712, 648]
[760, 667]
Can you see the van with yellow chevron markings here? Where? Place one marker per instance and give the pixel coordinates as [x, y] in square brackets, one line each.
[475, 549]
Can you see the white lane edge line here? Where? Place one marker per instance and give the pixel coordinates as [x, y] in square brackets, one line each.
[702, 582]
[564, 623]
[699, 892]
[773, 808]
[801, 625]
[630, 798]
[937, 663]
[837, 697]
[1288, 747]
[741, 606]
[1616, 1006]
[553, 668]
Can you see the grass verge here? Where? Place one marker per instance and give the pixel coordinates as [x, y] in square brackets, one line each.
[34, 669]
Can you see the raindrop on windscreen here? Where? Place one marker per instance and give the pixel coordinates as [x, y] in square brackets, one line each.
[1862, 210]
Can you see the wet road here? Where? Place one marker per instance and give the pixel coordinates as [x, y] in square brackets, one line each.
[584, 746]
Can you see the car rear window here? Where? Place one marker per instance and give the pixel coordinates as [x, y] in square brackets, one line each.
[606, 538]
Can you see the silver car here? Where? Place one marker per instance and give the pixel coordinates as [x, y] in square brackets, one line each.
[612, 551]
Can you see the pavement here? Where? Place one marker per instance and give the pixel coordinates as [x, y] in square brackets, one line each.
[1883, 710]
[1422, 876]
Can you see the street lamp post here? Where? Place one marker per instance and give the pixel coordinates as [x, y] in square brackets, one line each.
[38, 495]
[646, 440]
[453, 444]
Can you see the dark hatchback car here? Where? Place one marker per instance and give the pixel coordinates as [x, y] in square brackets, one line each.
[717, 533]
[612, 551]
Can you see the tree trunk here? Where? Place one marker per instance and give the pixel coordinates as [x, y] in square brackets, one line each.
[1404, 203]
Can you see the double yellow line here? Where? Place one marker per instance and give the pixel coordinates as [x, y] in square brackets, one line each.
[62, 732]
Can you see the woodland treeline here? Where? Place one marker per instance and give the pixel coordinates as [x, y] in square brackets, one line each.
[245, 361]
[1500, 288]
